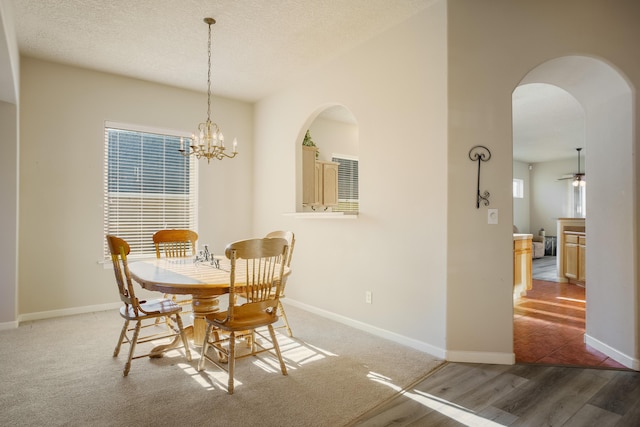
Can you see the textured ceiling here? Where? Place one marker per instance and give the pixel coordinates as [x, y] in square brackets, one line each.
[258, 45]
[548, 123]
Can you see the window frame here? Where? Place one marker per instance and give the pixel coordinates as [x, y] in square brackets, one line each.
[518, 188]
[167, 202]
[337, 158]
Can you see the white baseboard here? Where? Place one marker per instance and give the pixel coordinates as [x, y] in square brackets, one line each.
[8, 325]
[481, 357]
[67, 311]
[451, 356]
[611, 352]
[383, 333]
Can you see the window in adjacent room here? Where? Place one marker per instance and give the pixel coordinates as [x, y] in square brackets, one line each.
[347, 184]
[518, 188]
[578, 198]
[148, 186]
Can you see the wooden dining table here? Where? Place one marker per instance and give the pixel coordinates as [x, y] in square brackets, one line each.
[204, 281]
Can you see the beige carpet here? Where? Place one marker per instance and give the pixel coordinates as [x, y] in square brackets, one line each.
[61, 372]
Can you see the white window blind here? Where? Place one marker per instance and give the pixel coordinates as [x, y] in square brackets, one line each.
[148, 186]
[348, 199]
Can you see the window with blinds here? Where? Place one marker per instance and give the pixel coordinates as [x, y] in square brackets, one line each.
[347, 184]
[148, 186]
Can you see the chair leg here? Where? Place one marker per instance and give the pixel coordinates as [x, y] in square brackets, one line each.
[222, 357]
[252, 341]
[205, 347]
[184, 337]
[284, 318]
[132, 346]
[276, 347]
[122, 335]
[232, 360]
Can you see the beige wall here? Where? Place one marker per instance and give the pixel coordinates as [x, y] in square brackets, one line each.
[334, 137]
[8, 214]
[9, 117]
[550, 197]
[492, 46]
[63, 110]
[395, 86]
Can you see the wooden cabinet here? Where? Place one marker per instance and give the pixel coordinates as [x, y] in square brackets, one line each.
[522, 271]
[575, 249]
[319, 180]
[571, 256]
[327, 183]
[582, 259]
[308, 175]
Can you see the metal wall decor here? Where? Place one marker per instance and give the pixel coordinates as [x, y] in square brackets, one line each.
[480, 153]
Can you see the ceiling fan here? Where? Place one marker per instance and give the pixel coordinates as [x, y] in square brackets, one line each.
[579, 177]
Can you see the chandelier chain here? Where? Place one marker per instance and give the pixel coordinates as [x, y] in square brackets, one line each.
[209, 78]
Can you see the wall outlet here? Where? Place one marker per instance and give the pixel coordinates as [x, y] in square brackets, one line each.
[367, 297]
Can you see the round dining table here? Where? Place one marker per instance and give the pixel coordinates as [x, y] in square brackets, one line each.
[205, 281]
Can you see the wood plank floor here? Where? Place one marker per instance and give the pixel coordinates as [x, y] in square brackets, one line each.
[559, 381]
[461, 394]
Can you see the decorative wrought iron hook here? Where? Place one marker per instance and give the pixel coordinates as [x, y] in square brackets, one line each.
[480, 153]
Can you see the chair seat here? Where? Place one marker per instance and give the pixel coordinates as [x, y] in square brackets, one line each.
[156, 307]
[250, 321]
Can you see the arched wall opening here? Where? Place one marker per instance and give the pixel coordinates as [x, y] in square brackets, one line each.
[612, 286]
[334, 130]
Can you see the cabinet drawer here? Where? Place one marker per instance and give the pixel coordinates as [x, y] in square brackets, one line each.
[521, 244]
[571, 238]
[582, 240]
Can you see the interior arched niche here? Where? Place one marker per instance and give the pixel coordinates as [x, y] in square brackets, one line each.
[334, 130]
[611, 284]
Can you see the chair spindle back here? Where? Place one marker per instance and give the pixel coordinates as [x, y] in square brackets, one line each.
[175, 243]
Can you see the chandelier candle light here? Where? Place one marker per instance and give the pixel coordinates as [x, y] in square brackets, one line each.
[208, 140]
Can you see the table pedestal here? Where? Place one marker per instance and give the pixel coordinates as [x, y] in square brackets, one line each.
[201, 307]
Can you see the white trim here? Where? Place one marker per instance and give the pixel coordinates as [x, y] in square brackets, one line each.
[345, 156]
[146, 129]
[68, 311]
[481, 357]
[383, 333]
[8, 325]
[611, 352]
[320, 215]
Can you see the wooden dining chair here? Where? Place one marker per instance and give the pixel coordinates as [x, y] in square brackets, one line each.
[289, 236]
[262, 261]
[139, 310]
[176, 244]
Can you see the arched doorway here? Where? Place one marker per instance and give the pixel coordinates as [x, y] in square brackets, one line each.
[611, 290]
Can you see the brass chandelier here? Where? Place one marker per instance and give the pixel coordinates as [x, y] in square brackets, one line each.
[208, 140]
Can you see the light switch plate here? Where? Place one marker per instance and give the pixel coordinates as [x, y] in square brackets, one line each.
[492, 216]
